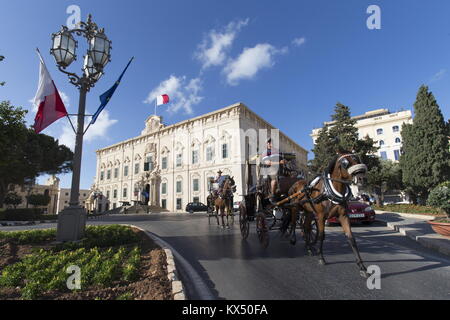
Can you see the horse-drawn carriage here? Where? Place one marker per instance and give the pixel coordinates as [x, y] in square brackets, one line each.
[257, 206]
[220, 200]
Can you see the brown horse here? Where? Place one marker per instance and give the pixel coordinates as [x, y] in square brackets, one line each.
[328, 196]
[224, 202]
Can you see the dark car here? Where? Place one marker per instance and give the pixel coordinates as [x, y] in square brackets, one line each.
[357, 212]
[196, 207]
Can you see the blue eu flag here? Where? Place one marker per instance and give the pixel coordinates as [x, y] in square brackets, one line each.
[104, 98]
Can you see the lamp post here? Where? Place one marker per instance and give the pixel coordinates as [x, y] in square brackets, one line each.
[72, 221]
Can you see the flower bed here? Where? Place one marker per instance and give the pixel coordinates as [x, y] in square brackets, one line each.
[116, 262]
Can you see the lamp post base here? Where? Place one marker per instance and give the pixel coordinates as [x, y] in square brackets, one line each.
[71, 224]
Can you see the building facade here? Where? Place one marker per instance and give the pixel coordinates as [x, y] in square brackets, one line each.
[382, 126]
[171, 166]
[64, 198]
[59, 197]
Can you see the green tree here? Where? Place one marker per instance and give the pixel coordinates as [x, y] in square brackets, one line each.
[342, 134]
[38, 200]
[386, 176]
[425, 161]
[324, 151]
[24, 155]
[13, 199]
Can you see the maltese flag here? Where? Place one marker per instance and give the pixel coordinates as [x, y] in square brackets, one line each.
[163, 99]
[47, 100]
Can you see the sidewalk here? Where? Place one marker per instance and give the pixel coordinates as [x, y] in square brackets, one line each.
[415, 227]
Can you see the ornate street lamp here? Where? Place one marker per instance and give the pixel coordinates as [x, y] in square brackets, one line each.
[72, 221]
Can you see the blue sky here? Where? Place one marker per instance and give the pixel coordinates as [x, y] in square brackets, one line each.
[290, 61]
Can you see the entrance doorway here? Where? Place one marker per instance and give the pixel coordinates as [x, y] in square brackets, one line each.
[147, 194]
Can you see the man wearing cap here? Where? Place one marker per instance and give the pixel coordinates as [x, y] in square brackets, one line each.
[219, 180]
[272, 160]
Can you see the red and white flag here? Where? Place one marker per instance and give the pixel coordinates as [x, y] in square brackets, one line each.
[47, 99]
[163, 99]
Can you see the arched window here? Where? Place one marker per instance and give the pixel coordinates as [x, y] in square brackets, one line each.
[379, 131]
[397, 140]
[381, 143]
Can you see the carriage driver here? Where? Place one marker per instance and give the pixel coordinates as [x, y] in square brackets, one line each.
[219, 180]
[271, 158]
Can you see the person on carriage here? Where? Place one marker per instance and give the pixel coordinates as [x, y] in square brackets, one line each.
[220, 180]
[272, 159]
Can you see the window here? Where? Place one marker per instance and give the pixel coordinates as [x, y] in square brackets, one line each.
[115, 193]
[196, 200]
[107, 194]
[209, 182]
[164, 163]
[136, 168]
[164, 188]
[383, 155]
[397, 155]
[114, 205]
[381, 143]
[148, 165]
[179, 204]
[108, 174]
[164, 203]
[125, 192]
[379, 131]
[179, 187]
[397, 140]
[116, 172]
[179, 159]
[195, 185]
[209, 153]
[125, 171]
[102, 175]
[395, 129]
[67, 193]
[194, 156]
[224, 151]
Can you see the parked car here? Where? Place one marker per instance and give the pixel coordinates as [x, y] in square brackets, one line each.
[357, 212]
[196, 207]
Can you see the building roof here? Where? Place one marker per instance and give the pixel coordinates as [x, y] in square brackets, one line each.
[184, 122]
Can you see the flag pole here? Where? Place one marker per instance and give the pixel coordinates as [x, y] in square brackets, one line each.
[156, 101]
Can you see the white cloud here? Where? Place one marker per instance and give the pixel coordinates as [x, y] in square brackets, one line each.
[183, 93]
[251, 61]
[299, 41]
[213, 49]
[439, 75]
[97, 130]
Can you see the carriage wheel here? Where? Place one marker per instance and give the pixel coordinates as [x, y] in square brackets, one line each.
[313, 233]
[261, 230]
[243, 221]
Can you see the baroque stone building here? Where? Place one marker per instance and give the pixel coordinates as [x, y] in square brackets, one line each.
[382, 126]
[171, 166]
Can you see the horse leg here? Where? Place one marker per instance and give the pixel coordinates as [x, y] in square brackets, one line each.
[217, 215]
[345, 223]
[307, 233]
[321, 236]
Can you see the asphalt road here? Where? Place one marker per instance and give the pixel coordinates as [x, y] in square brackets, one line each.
[240, 270]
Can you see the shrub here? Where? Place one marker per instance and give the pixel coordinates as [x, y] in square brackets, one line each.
[440, 198]
[13, 199]
[38, 199]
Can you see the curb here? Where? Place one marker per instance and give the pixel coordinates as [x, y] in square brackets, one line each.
[408, 215]
[430, 241]
[172, 274]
